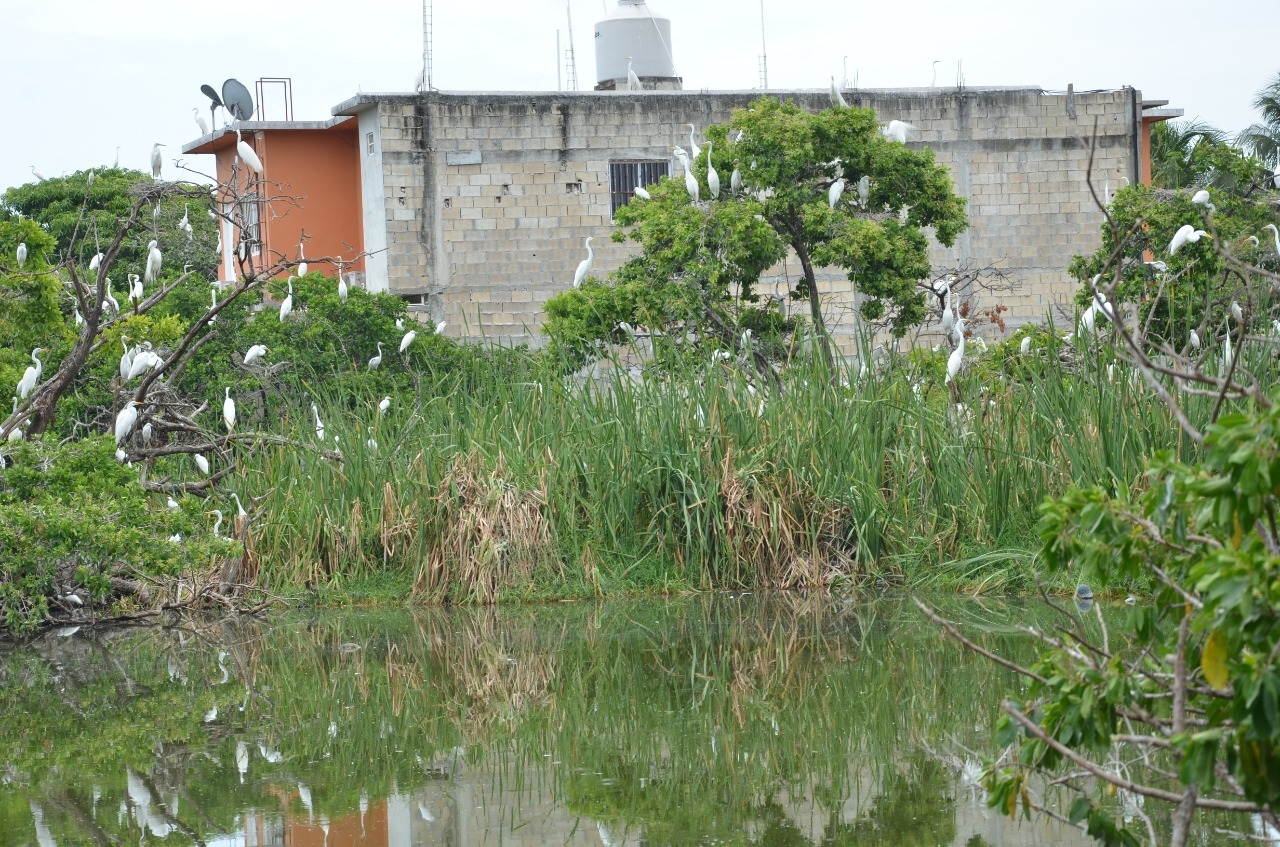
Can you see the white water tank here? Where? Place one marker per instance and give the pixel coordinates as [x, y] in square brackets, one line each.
[635, 29]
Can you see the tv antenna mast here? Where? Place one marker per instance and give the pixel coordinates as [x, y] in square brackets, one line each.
[571, 64]
[425, 81]
[764, 52]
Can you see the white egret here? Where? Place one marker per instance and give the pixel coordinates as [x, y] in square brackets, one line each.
[837, 99]
[440, 327]
[400, 324]
[185, 223]
[407, 340]
[126, 360]
[156, 160]
[1253, 239]
[864, 190]
[1237, 312]
[15, 434]
[143, 361]
[240, 512]
[146, 434]
[690, 183]
[376, 360]
[302, 269]
[96, 261]
[213, 302]
[1276, 233]
[948, 315]
[201, 122]
[22, 254]
[136, 290]
[693, 145]
[1195, 340]
[109, 299]
[1087, 320]
[1025, 348]
[1187, 234]
[154, 260]
[713, 177]
[255, 353]
[642, 193]
[217, 525]
[171, 503]
[319, 423]
[897, 131]
[371, 443]
[1201, 198]
[1228, 355]
[953, 361]
[247, 155]
[735, 181]
[229, 411]
[125, 421]
[121, 456]
[633, 81]
[79, 317]
[176, 538]
[202, 463]
[834, 192]
[384, 405]
[31, 375]
[287, 306]
[342, 289]
[584, 267]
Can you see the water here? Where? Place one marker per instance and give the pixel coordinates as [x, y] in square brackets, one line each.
[734, 719]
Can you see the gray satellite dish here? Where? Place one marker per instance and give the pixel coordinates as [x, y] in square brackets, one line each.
[214, 102]
[237, 100]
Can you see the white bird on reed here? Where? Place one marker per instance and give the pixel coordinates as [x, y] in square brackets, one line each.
[255, 353]
[957, 355]
[31, 375]
[229, 411]
[407, 340]
[834, 192]
[1187, 234]
[584, 267]
[371, 443]
[376, 360]
[690, 182]
[125, 421]
[249, 157]
[202, 463]
[154, 260]
[713, 177]
[837, 99]
[287, 306]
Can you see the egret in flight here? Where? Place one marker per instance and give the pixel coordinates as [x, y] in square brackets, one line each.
[584, 267]
[156, 160]
[31, 375]
[376, 360]
[1187, 234]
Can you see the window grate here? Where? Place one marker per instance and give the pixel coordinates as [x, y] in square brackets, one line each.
[624, 177]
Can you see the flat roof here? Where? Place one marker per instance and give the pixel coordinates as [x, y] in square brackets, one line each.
[221, 137]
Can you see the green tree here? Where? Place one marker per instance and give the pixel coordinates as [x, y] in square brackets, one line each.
[696, 258]
[1263, 139]
[1192, 154]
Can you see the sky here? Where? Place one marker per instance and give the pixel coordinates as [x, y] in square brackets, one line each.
[81, 78]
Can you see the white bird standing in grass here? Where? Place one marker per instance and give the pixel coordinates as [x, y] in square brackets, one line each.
[713, 178]
[156, 160]
[31, 375]
[1187, 234]
[407, 340]
[249, 157]
[834, 192]
[125, 421]
[690, 183]
[957, 355]
[633, 81]
[255, 353]
[154, 260]
[376, 360]
[202, 463]
[897, 131]
[287, 306]
[229, 411]
[837, 99]
[1201, 198]
[371, 444]
[21, 253]
[584, 267]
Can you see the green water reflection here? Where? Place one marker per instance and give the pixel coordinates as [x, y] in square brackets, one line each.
[733, 719]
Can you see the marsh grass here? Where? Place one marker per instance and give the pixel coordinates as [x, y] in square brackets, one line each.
[556, 487]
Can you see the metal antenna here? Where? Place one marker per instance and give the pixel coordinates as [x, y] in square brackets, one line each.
[764, 52]
[571, 64]
[426, 46]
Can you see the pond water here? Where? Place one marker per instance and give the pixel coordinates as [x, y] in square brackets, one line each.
[725, 719]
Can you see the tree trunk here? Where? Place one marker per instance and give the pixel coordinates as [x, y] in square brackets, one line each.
[815, 305]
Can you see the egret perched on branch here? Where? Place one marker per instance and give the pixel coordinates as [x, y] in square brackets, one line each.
[948, 315]
[201, 122]
[400, 324]
[690, 183]
[837, 99]
[22, 254]
[31, 375]
[156, 160]
[1187, 234]
[143, 361]
[693, 145]
[255, 353]
[641, 193]
[633, 81]
[342, 289]
[407, 340]
[287, 306]
[146, 434]
[1276, 233]
[136, 290]
[247, 155]
[217, 525]
[1195, 340]
[202, 463]
[953, 361]
[584, 267]
[864, 190]
[1237, 312]
[897, 131]
[96, 261]
[185, 223]
[109, 298]
[713, 178]
[126, 360]
[1201, 198]
[154, 260]
[229, 411]
[440, 327]
[834, 192]
[735, 182]
[376, 360]
[125, 421]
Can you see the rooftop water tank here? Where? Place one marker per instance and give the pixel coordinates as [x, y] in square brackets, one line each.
[635, 29]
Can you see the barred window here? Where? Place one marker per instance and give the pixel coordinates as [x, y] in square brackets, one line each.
[250, 222]
[624, 177]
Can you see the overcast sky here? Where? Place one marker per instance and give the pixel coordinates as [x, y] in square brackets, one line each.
[80, 77]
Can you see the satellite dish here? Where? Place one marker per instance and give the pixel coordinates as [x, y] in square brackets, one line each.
[237, 100]
[208, 91]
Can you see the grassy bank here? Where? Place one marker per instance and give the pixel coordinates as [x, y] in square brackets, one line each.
[551, 488]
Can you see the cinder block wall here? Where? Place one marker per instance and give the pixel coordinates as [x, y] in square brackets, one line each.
[490, 196]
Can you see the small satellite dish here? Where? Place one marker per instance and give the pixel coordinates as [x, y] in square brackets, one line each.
[208, 91]
[237, 100]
